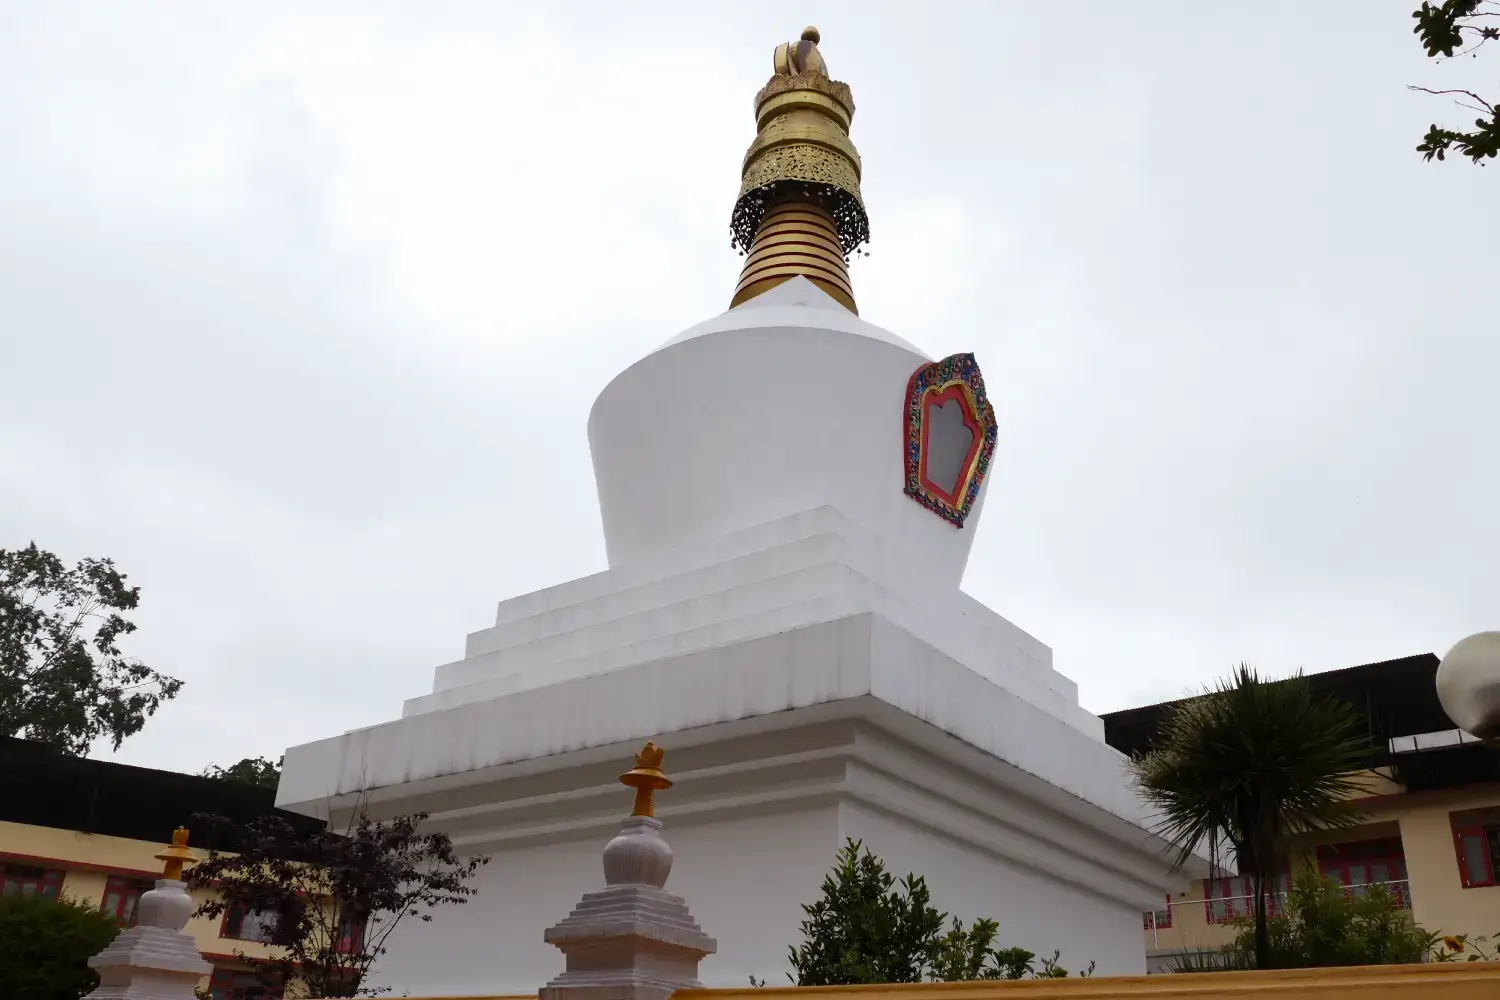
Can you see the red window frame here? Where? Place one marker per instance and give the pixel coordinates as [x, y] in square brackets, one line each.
[1239, 900]
[351, 935]
[233, 925]
[1339, 861]
[1476, 869]
[237, 984]
[44, 882]
[122, 897]
[1161, 923]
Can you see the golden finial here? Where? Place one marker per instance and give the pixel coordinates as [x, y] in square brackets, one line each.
[176, 855]
[646, 778]
[799, 210]
[792, 58]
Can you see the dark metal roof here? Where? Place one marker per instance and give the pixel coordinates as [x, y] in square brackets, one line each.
[1393, 698]
[41, 787]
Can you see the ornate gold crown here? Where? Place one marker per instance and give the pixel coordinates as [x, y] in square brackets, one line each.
[799, 210]
[646, 778]
[650, 757]
[177, 855]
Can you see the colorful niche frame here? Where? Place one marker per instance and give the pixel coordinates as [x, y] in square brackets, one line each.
[953, 378]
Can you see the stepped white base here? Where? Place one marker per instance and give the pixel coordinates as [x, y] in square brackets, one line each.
[755, 819]
[810, 684]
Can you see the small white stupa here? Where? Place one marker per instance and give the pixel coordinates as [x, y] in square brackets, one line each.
[633, 940]
[789, 495]
[155, 959]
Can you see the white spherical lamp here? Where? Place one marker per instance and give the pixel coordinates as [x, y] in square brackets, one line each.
[1468, 685]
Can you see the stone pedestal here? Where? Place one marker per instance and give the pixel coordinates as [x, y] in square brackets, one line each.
[153, 960]
[633, 940]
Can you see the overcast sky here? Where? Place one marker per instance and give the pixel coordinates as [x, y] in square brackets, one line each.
[303, 307]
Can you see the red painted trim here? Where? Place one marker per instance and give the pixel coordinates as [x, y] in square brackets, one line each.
[1241, 895]
[243, 963]
[1160, 925]
[1471, 830]
[123, 889]
[932, 398]
[83, 866]
[224, 926]
[936, 377]
[1336, 859]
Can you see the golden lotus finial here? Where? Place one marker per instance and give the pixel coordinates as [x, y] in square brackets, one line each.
[799, 210]
[646, 778]
[176, 855]
[802, 56]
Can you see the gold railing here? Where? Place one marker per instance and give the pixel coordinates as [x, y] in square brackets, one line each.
[1433, 981]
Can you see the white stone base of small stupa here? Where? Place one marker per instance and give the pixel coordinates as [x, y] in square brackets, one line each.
[809, 684]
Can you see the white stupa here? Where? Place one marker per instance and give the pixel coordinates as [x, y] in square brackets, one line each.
[789, 495]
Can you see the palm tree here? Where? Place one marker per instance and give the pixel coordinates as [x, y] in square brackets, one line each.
[1248, 765]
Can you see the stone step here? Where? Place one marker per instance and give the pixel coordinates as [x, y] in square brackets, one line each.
[697, 596]
[812, 594]
[608, 660]
[763, 537]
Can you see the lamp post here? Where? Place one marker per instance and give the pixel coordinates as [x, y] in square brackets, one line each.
[1468, 686]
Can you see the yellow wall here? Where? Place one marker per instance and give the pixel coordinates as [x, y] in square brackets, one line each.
[66, 849]
[1190, 930]
[1439, 900]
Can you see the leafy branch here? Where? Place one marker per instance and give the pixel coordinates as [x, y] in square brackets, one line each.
[64, 681]
[1457, 28]
[329, 901]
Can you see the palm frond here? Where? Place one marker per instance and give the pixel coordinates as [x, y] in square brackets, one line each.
[1249, 764]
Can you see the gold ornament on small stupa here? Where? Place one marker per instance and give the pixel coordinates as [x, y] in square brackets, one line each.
[646, 778]
[799, 210]
[177, 855]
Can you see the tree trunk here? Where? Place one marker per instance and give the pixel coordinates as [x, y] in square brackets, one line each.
[1262, 930]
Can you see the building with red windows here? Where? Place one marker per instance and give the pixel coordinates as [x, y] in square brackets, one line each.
[1430, 805]
[90, 830]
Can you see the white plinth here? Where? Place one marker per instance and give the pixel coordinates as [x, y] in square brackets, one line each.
[153, 960]
[788, 625]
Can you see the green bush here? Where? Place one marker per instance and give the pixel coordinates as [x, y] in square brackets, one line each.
[870, 927]
[45, 945]
[1323, 925]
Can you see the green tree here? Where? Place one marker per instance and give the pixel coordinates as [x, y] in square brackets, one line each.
[259, 771]
[45, 945]
[331, 900]
[1247, 766]
[867, 928]
[1324, 924]
[63, 679]
[1458, 28]
[870, 927]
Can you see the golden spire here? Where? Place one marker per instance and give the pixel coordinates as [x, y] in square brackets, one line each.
[176, 855]
[646, 778]
[799, 209]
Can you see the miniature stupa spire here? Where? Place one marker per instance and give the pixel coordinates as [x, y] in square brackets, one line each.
[632, 940]
[799, 209]
[155, 960]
